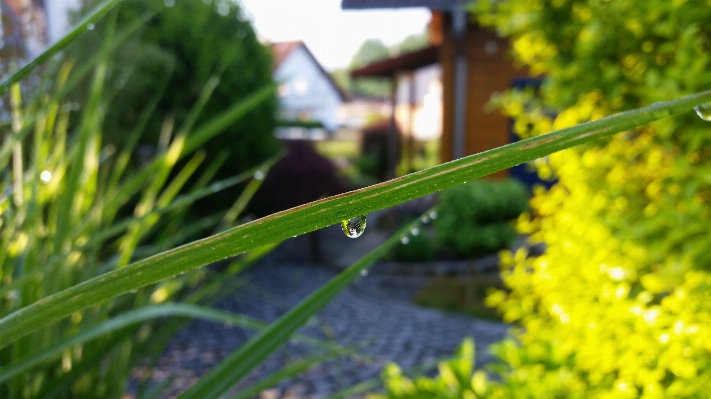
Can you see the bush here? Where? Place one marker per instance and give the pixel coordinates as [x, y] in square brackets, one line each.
[474, 218]
[414, 248]
[456, 379]
[618, 306]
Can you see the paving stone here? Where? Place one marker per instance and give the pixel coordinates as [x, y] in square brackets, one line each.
[375, 314]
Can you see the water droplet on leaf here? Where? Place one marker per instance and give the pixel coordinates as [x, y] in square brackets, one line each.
[425, 219]
[364, 273]
[354, 227]
[169, 3]
[415, 231]
[405, 240]
[433, 215]
[46, 176]
[90, 26]
[259, 175]
[704, 111]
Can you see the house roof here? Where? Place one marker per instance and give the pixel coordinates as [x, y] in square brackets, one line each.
[281, 50]
[405, 62]
[433, 4]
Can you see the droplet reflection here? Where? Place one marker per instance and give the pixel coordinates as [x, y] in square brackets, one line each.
[354, 227]
[704, 111]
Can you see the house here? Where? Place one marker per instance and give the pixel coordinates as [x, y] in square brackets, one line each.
[474, 65]
[309, 98]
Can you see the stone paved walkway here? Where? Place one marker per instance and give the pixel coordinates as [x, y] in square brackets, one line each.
[375, 315]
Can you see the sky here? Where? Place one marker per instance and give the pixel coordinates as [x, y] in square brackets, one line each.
[332, 35]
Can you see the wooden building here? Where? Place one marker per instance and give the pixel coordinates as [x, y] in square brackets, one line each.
[474, 65]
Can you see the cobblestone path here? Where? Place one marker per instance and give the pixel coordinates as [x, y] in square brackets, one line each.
[374, 315]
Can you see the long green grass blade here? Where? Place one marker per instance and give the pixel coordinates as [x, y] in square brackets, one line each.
[93, 16]
[141, 315]
[323, 213]
[287, 371]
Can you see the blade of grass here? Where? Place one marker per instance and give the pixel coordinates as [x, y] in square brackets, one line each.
[141, 315]
[285, 372]
[93, 16]
[323, 213]
[236, 209]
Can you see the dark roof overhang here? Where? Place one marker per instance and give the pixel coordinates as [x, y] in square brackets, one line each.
[402, 63]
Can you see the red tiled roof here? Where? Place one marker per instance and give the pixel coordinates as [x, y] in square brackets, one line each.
[281, 49]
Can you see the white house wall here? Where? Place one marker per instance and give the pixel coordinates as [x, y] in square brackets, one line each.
[305, 93]
[58, 17]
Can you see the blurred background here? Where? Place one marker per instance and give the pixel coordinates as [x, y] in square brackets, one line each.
[599, 253]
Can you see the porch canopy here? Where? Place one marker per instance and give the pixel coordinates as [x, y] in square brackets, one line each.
[407, 62]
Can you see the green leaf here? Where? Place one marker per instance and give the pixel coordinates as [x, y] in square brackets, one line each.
[323, 213]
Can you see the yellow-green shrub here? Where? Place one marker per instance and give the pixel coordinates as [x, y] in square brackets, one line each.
[618, 306]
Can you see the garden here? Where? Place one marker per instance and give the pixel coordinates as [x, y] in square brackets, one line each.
[130, 156]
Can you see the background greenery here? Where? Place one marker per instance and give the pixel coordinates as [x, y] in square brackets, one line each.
[475, 218]
[190, 44]
[370, 51]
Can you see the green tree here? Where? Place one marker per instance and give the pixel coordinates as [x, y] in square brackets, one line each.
[189, 43]
[370, 51]
[413, 42]
[373, 50]
[618, 305]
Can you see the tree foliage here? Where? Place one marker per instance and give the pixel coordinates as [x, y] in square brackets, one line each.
[189, 43]
[373, 50]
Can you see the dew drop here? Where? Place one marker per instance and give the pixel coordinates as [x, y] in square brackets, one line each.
[704, 111]
[433, 215]
[169, 3]
[90, 26]
[354, 227]
[364, 272]
[213, 81]
[405, 240]
[425, 219]
[46, 176]
[215, 187]
[259, 175]
[415, 231]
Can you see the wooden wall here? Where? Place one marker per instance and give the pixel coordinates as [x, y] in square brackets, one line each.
[489, 70]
